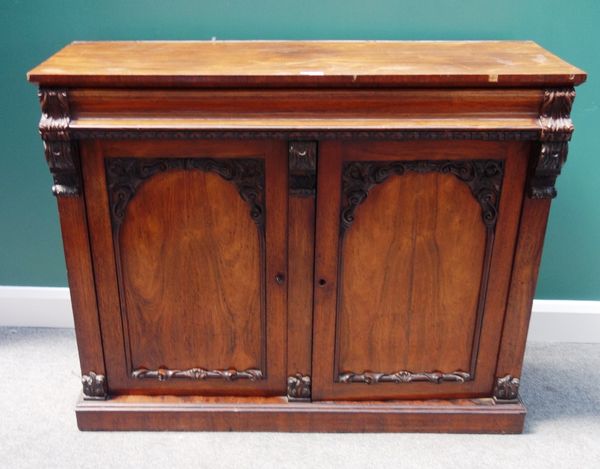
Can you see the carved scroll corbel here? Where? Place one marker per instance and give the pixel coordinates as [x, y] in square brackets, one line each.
[61, 152]
[557, 127]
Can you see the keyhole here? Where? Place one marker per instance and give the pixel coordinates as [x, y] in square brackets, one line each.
[322, 282]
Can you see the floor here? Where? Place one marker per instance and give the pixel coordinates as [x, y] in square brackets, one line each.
[40, 383]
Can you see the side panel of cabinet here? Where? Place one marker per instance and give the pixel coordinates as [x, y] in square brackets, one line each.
[414, 248]
[189, 246]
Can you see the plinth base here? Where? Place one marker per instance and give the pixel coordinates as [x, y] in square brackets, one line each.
[276, 414]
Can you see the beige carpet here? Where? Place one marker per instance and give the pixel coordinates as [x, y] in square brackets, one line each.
[40, 383]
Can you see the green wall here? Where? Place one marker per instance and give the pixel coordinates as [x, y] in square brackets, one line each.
[30, 31]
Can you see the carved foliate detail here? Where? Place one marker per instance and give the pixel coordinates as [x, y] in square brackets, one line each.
[557, 128]
[198, 374]
[61, 153]
[126, 175]
[368, 377]
[506, 390]
[94, 386]
[299, 387]
[302, 160]
[484, 178]
[493, 135]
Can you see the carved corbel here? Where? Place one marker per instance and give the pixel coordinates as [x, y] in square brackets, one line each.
[557, 127]
[506, 390]
[61, 152]
[94, 386]
[302, 159]
[299, 387]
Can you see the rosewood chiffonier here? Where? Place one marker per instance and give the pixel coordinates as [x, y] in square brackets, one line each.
[303, 236]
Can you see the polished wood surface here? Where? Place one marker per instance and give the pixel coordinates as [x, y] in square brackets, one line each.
[304, 236]
[193, 230]
[276, 414]
[189, 277]
[422, 304]
[532, 229]
[404, 322]
[78, 258]
[305, 63]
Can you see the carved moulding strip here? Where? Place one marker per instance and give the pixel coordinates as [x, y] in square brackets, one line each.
[94, 386]
[126, 175]
[506, 390]
[200, 374]
[302, 161]
[61, 153]
[557, 129]
[128, 134]
[484, 179]
[437, 377]
[299, 387]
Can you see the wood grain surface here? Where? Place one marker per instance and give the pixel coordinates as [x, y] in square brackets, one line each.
[191, 272]
[434, 340]
[305, 63]
[417, 312]
[276, 414]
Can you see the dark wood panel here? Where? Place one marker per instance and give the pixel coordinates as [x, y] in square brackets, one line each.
[192, 275]
[402, 103]
[482, 357]
[196, 298]
[410, 275]
[532, 228]
[302, 161]
[80, 271]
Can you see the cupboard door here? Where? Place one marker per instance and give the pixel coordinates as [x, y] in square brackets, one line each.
[189, 247]
[414, 248]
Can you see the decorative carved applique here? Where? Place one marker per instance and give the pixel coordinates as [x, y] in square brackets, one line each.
[299, 387]
[557, 128]
[125, 175]
[302, 168]
[368, 377]
[128, 134]
[506, 390]
[61, 153]
[164, 374]
[484, 178]
[94, 386]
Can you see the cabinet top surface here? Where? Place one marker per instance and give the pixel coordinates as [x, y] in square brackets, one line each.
[242, 64]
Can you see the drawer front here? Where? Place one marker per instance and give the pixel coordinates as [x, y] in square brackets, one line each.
[189, 248]
[414, 250]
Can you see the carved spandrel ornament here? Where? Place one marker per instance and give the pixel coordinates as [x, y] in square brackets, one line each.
[484, 178]
[61, 152]
[125, 176]
[94, 386]
[557, 128]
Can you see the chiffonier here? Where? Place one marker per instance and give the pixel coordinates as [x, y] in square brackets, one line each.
[303, 236]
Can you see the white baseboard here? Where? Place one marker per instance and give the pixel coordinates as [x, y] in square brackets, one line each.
[35, 307]
[551, 321]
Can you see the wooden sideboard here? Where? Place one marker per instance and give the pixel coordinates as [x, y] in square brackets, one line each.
[303, 236]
